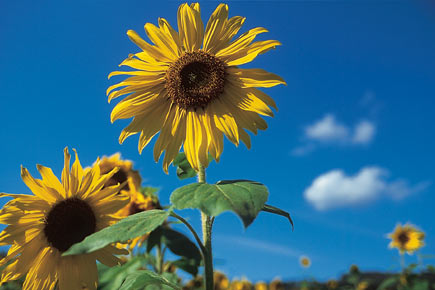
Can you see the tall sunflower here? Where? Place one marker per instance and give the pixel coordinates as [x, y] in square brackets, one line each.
[406, 238]
[59, 214]
[188, 86]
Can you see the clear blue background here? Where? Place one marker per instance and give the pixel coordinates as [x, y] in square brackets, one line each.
[55, 57]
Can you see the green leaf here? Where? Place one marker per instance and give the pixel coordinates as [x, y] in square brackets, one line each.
[245, 198]
[184, 170]
[390, 282]
[188, 265]
[128, 228]
[112, 278]
[275, 210]
[181, 245]
[154, 239]
[137, 280]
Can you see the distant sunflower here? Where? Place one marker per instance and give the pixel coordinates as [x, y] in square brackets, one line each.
[221, 281]
[125, 172]
[189, 87]
[261, 285]
[305, 261]
[406, 238]
[59, 214]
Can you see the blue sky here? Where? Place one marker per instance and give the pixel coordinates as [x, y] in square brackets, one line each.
[349, 153]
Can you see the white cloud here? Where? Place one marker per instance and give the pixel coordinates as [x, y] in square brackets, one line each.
[336, 189]
[258, 245]
[327, 129]
[364, 133]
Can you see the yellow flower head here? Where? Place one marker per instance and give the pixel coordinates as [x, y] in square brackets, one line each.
[59, 214]
[406, 238]
[187, 85]
[362, 285]
[241, 285]
[125, 172]
[305, 261]
[261, 285]
[221, 281]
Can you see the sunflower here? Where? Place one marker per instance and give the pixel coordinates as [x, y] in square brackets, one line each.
[125, 172]
[261, 285]
[305, 261]
[406, 238]
[59, 214]
[188, 86]
[221, 281]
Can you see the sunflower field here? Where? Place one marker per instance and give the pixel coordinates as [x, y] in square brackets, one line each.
[188, 88]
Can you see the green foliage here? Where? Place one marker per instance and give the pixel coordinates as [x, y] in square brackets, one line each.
[180, 245]
[128, 228]
[139, 278]
[112, 278]
[243, 197]
[184, 170]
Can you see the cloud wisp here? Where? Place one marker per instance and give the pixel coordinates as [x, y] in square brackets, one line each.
[336, 189]
[329, 131]
[264, 246]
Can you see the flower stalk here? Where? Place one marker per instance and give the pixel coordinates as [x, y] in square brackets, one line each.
[207, 224]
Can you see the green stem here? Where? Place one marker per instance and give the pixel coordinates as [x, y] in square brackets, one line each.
[159, 257]
[402, 262]
[207, 224]
[192, 230]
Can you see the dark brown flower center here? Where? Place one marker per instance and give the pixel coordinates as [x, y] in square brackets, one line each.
[69, 222]
[195, 79]
[403, 238]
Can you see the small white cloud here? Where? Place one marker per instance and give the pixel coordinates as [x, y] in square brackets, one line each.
[303, 150]
[364, 132]
[327, 129]
[336, 189]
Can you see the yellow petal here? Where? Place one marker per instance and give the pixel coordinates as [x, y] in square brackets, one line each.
[162, 41]
[215, 26]
[241, 42]
[134, 107]
[225, 121]
[179, 135]
[153, 51]
[254, 77]
[50, 180]
[170, 32]
[250, 53]
[190, 26]
[43, 274]
[35, 185]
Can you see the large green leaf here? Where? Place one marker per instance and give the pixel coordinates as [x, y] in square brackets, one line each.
[128, 228]
[244, 197]
[139, 279]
